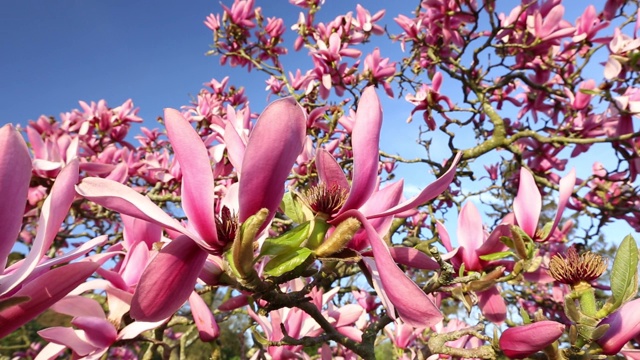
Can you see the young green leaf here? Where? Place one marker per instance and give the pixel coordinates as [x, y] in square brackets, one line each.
[284, 263]
[624, 274]
[286, 242]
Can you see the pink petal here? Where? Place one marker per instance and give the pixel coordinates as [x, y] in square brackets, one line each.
[168, 280]
[329, 171]
[528, 203]
[413, 305]
[470, 235]
[492, 305]
[207, 326]
[365, 143]
[427, 194]
[54, 210]
[624, 326]
[67, 337]
[136, 230]
[197, 176]
[44, 292]
[15, 174]
[566, 189]
[235, 146]
[413, 258]
[274, 145]
[138, 327]
[122, 199]
[99, 331]
[75, 306]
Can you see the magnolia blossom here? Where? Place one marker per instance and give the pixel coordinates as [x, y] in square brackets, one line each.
[521, 341]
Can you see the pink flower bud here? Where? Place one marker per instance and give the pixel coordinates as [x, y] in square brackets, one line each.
[624, 325]
[522, 341]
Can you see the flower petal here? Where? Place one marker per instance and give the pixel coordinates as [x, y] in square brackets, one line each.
[566, 189]
[430, 192]
[168, 280]
[44, 292]
[470, 235]
[15, 174]
[329, 171]
[528, 203]
[207, 326]
[366, 147]
[274, 145]
[197, 175]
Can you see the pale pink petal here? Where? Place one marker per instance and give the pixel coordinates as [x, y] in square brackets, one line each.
[566, 189]
[134, 264]
[430, 192]
[44, 292]
[67, 337]
[444, 235]
[365, 143]
[99, 331]
[492, 305]
[205, 322]
[274, 145]
[136, 230]
[329, 171]
[168, 280]
[197, 175]
[15, 174]
[470, 235]
[50, 351]
[235, 146]
[138, 327]
[412, 304]
[54, 210]
[527, 204]
[74, 305]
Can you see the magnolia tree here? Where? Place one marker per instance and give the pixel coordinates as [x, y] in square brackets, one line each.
[145, 246]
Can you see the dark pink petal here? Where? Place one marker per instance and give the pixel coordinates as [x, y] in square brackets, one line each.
[528, 203]
[521, 341]
[366, 147]
[329, 171]
[67, 337]
[197, 175]
[624, 326]
[470, 236]
[566, 189]
[413, 258]
[168, 280]
[99, 332]
[44, 292]
[136, 230]
[413, 305]
[492, 305]
[430, 192]
[493, 244]
[274, 145]
[207, 326]
[15, 174]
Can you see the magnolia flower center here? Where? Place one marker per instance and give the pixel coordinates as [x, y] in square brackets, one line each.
[574, 268]
[226, 225]
[323, 199]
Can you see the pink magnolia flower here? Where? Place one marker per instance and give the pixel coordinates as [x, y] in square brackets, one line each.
[29, 287]
[374, 209]
[273, 146]
[521, 341]
[624, 325]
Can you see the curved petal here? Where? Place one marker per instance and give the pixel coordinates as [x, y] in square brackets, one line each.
[366, 146]
[15, 174]
[414, 258]
[197, 175]
[54, 210]
[44, 292]
[412, 304]
[168, 280]
[274, 145]
[492, 305]
[138, 327]
[125, 200]
[208, 329]
[470, 235]
[235, 146]
[528, 203]
[427, 194]
[566, 189]
[329, 171]
[99, 332]
[67, 337]
[75, 306]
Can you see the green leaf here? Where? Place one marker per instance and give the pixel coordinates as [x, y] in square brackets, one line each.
[293, 207]
[525, 316]
[284, 263]
[497, 256]
[286, 242]
[545, 230]
[624, 274]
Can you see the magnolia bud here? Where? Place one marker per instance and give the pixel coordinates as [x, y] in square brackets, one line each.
[522, 341]
[339, 238]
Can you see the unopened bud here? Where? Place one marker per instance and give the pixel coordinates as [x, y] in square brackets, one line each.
[339, 238]
[242, 249]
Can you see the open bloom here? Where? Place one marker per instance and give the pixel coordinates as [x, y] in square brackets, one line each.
[375, 210]
[272, 148]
